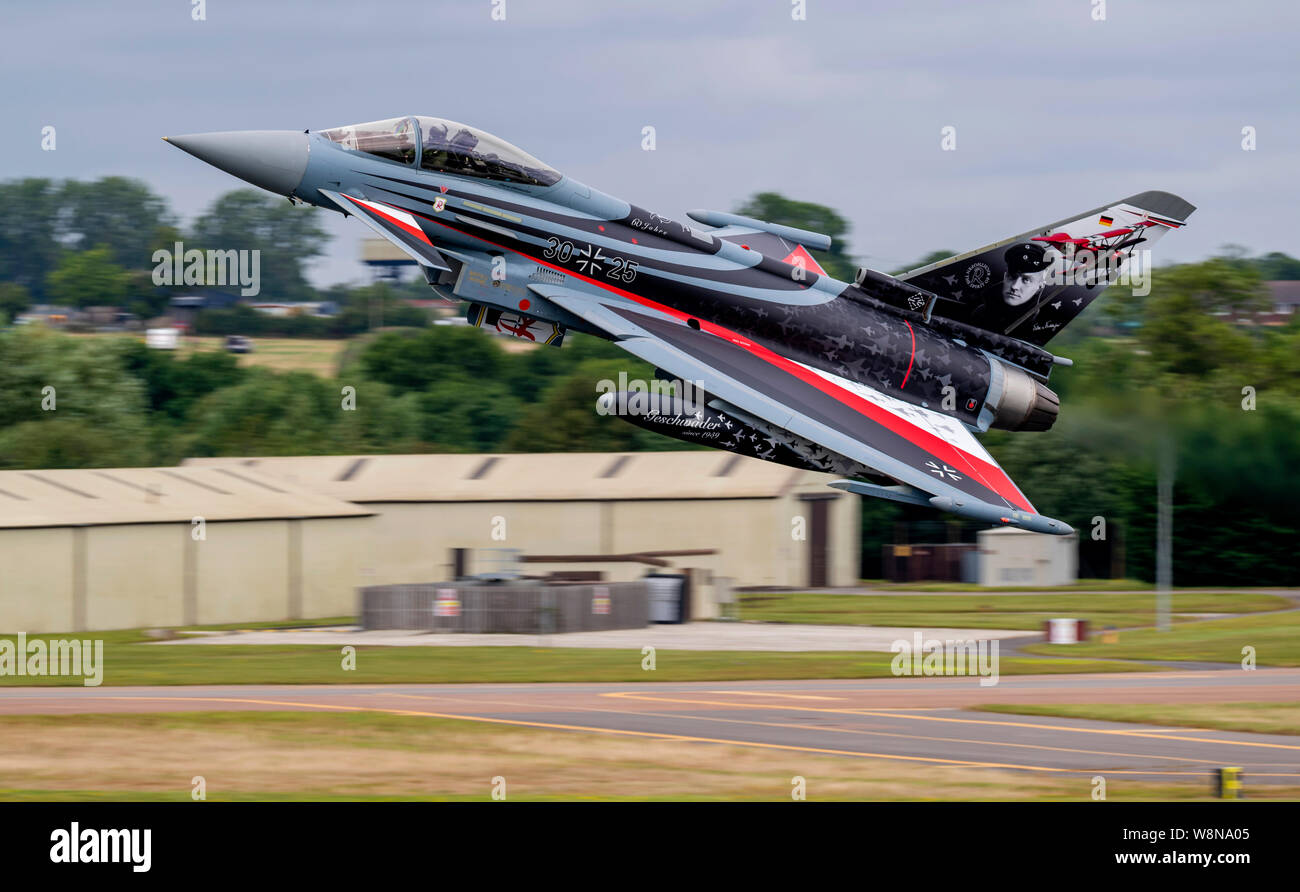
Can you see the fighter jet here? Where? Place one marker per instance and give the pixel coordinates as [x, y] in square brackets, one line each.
[885, 380]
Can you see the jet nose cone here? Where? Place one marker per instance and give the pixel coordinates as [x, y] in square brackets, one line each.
[274, 160]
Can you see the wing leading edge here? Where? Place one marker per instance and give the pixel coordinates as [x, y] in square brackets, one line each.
[936, 460]
[394, 224]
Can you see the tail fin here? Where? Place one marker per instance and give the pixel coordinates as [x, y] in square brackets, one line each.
[1031, 286]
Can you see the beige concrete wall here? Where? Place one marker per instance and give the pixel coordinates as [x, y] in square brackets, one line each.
[243, 572]
[1021, 558]
[36, 580]
[332, 554]
[134, 575]
[791, 557]
[739, 529]
[846, 540]
[411, 542]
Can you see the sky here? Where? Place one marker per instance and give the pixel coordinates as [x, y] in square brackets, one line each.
[1056, 110]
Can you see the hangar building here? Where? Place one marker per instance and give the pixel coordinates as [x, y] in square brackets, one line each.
[770, 524]
[264, 539]
[136, 547]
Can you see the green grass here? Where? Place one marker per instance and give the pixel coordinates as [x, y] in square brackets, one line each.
[993, 611]
[1275, 637]
[319, 356]
[1082, 585]
[1262, 718]
[377, 756]
[128, 662]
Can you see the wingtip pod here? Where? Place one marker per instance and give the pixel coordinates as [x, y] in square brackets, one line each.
[1010, 517]
[975, 510]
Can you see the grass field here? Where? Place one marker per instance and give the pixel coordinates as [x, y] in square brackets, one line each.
[318, 356]
[128, 661]
[1275, 638]
[1264, 718]
[993, 611]
[380, 756]
[1082, 585]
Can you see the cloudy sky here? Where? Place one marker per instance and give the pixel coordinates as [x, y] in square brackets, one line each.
[1054, 112]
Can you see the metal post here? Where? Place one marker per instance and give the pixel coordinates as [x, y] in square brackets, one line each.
[1164, 533]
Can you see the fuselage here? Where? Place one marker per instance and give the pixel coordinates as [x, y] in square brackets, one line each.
[571, 234]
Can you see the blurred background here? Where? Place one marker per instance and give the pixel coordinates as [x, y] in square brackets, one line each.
[831, 123]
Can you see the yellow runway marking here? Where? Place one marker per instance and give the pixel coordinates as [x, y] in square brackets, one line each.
[795, 726]
[1139, 771]
[867, 711]
[1198, 730]
[692, 738]
[561, 727]
[775, 694]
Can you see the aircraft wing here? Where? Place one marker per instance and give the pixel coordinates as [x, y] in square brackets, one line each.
[935, 458]
[394, 224]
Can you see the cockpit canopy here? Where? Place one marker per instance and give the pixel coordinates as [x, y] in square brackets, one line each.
[394, 139]
[444, 146]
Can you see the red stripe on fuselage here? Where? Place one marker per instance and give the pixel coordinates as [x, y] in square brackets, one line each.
[911, 359]
[400, 224]
[990, 475]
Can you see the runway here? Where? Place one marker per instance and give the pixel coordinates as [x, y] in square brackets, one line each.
[913, 720]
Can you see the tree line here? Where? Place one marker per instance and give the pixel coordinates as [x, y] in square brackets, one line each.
[82, 244]
[1167, 370]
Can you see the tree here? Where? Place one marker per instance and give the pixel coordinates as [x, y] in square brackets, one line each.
[266, 414]
[68, 402]
[89, 279]
[121, 214]
[1276, 266]
[172, 385]
[414, 360]
[70, 443]
[286, 235]
[1180, 323]
[463, 415]
[14, 299]
[564, 419]
[375, 305]
[29, 246]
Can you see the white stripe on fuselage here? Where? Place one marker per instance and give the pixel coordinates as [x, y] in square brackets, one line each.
[389, 210]
[950, 430]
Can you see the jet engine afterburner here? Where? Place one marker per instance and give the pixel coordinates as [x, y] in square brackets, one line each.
[1019, 401]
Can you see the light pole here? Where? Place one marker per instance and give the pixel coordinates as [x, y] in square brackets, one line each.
[1164, 532]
